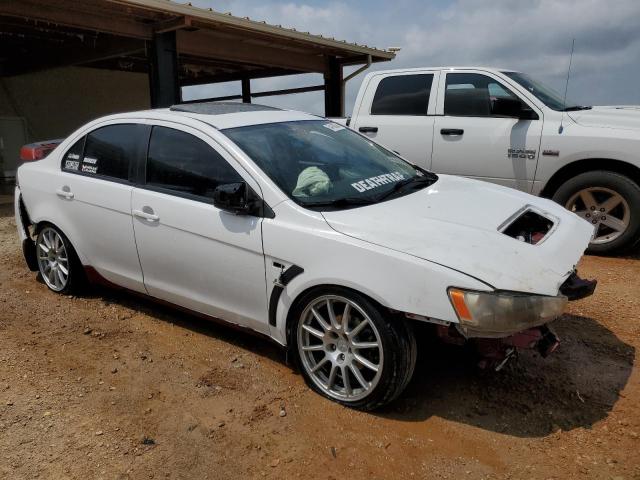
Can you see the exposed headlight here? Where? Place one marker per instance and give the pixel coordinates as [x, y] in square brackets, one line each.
[497, 314]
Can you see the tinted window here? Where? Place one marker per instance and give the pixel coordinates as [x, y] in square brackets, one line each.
[402, 95]
[109, 151]
[182, 163]
[472, 95]
[72, 159]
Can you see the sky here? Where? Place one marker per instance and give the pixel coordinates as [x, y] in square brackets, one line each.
[533, 36]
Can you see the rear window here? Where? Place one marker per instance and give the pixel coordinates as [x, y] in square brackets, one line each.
[106, 152]
[402, 95]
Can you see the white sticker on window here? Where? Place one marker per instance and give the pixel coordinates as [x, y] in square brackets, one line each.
[71, 164]
[375, 182]
[333, 126]
[90, 160]
[73, 156]
[89, 168]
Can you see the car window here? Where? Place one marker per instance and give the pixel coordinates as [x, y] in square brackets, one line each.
[184, 164]
[402, 95]
[472, 95]
[110, 151]
[72, 159]
[320, 162]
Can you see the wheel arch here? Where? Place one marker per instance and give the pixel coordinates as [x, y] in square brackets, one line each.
[587, 165]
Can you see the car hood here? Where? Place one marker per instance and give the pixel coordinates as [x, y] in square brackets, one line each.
[455, 222]
[623, 117]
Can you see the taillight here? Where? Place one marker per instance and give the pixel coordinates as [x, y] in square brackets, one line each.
[38, 150]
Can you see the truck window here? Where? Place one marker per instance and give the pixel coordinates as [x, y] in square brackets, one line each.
[402, 95]
[472, 95]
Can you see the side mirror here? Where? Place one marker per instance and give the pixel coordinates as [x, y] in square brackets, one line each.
[232, 197]
[507, 107]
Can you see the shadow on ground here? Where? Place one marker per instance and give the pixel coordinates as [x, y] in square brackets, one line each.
[575, 387]
[531, 397]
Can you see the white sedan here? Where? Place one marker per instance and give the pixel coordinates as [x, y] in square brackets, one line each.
[302, 230]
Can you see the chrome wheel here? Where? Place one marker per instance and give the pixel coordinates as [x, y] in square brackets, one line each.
[605, 209]
[53, 259]
[340, 347]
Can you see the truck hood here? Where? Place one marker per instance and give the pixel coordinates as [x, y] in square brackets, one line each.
[456, 223]
[623, 117]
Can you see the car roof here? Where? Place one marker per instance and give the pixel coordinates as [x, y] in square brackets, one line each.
[221, 115]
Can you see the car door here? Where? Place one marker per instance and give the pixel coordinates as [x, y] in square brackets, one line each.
[400, 115]
[192, 253]
[470, 140]
[93, 200]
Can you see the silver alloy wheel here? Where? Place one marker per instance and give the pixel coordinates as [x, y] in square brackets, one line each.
[53, 259]
[340, 348]
[605, 209]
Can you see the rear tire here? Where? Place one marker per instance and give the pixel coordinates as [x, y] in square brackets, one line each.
[611, 202]
[58, 262]
[349, 349]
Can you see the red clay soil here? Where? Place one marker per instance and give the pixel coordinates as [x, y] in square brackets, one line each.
[111, 386]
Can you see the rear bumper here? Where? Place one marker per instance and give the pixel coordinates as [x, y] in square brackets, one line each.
[22, 223]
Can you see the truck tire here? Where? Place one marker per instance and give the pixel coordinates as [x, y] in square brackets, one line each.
[362, 359]
[608, 200]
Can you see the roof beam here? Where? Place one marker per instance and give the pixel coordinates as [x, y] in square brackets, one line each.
[201, 44]
[101, 49]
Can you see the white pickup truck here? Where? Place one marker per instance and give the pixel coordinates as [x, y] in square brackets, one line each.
[503, 126]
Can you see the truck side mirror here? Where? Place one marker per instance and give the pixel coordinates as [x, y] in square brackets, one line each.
[511, 107]
[232, 197]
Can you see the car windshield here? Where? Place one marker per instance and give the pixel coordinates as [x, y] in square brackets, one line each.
[323, 165]
[544, 93]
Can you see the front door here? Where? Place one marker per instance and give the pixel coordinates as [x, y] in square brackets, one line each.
[401, 116]
[192, 253]
[471, 141]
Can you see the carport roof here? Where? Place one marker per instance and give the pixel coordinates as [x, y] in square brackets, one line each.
[212, 46]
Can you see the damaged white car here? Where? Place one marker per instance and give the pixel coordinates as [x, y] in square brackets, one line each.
[302, 230]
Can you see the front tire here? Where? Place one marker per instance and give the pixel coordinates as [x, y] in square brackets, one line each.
[350, 350]
[58, 263]
[610, 202]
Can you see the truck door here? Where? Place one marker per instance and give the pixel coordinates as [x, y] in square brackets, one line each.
[475, 137]
[397, 112]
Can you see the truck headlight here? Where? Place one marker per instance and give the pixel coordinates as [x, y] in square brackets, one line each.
[494, 314]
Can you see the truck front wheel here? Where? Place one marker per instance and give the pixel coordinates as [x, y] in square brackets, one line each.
[610, 202]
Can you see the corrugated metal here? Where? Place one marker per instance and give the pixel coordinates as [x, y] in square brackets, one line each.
[227, 19]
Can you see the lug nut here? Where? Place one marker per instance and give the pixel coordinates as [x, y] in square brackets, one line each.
[602, 209]
[603, 218]
[594, 221]
[588, 215]
[593, 208]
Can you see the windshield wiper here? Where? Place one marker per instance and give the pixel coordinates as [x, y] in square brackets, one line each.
[575, 108]
[418, 180]
[341, 202]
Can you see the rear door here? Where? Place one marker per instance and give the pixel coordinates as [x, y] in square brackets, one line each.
[397, 112]
[93, 200]
[471, 141]
[192, 253]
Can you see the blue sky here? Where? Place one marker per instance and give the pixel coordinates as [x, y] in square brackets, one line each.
[529, 35]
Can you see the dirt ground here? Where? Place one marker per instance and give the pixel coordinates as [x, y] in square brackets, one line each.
[111, 386]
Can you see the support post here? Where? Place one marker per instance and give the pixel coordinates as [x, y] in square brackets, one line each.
[334, 89]
[163, 70]
[246, 90]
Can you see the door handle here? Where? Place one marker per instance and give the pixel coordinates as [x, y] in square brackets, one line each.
[65, 192]
[368, 129]
[149, 216]
[452, 131]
